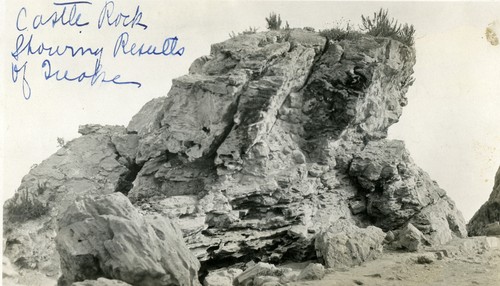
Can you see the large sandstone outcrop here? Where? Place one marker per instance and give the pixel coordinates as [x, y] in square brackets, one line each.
[486, 221]
[105, 236]
[265, 144]
[283, 147]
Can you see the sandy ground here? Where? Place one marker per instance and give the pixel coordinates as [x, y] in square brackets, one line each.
[479, 266]
[472, 261]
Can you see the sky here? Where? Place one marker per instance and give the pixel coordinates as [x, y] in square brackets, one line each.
[450, 125]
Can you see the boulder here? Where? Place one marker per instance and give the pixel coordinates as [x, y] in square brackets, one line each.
[105, 236]
[101, 282]
[222, 277]
[440, 222]
[313, 271]
[345, 245]
[426, 258]
[260, 274]
[410, 238]
[266, 281]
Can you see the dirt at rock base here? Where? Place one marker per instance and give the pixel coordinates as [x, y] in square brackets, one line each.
[478, 268]
[463, 266]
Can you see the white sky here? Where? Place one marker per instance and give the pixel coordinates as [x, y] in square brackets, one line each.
[450, 125]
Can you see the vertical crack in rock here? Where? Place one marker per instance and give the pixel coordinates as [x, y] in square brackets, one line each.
[306, 81]
[258, 112]
[127, 158]
[316, 60]
[126, 181]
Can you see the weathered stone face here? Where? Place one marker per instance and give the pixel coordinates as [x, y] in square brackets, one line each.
[398, 191]
[359, 83]
[301, 148]
[486, 221]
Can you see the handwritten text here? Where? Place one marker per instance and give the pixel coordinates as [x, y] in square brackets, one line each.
[74, 16]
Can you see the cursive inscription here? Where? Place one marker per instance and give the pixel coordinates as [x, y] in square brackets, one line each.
[33, 50]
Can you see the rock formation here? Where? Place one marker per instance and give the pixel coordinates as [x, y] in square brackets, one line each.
[486, 221]
[265, 144]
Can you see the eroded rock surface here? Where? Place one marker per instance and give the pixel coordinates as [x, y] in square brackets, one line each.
[398, 191]
[486, 221]
[105, 236]
[288, 137]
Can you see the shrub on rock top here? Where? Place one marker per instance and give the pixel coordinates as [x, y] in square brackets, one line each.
[274, 21]
[381, 26]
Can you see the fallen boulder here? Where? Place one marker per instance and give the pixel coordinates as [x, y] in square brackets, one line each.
[313, 271]
[410, 238]
[222, 277]
[101, 282]
[345, 245]
[105, 236]
[260, 274]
